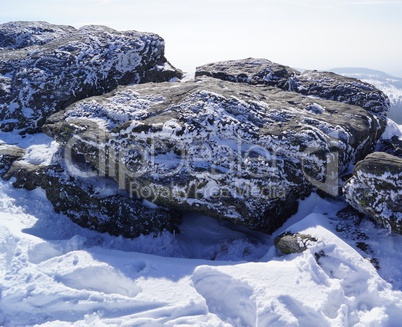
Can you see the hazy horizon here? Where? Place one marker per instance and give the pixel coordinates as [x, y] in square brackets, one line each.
[307, 34]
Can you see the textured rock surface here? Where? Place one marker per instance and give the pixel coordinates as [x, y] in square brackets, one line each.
[231, 150]
[391, 146]
[288, 243]
[9, 154]
[17, 35]
[324, 85]
[376, 189]
[252, 71]
[94, 205]
[44, 68]
[344, 89]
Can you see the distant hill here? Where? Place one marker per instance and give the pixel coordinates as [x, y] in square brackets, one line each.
[390, 85]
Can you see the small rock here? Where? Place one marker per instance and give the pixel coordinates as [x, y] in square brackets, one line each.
[9, 154]
[288, 243]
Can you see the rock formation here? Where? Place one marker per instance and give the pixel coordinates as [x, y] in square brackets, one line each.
[44, 68]
[231, 150]
[18, 35]
[376, 189]
[324, 85]
[244, 141]
[95, 205]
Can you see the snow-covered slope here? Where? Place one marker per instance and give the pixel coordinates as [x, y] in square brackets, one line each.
[53, 273]
[390, 85]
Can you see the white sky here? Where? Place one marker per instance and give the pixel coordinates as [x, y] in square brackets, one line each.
[311, 34]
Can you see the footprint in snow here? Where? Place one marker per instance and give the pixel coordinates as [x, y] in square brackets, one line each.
[230, 299]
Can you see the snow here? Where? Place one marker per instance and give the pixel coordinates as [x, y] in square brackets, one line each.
[212, 273]
[41, 154]
[391, 130]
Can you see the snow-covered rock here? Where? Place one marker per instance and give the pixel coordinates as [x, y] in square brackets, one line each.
[376, 189]
[9, 154]
[44, 68]
[252, 71]
[390, 85]
[231, 150]
[324, 85]
[288, 243]
[17, 35]
[95, 205]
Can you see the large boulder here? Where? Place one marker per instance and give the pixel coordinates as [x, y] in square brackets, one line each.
[375, 189]
[245, 153]
[44, 68]
[94, 204]
[324, 85]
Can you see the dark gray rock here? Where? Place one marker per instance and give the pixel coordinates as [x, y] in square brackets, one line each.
[252, 71]
[17, 35]
[89, 205]
[9, 154]
[324, 85]
[335, 87]
[288, 243]
[391, 146]
[231, 150]
[65, 65]
[375, 189]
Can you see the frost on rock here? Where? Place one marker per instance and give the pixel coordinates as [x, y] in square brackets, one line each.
[89, 205]
[252, 71]
[17, 35]
[288, 243]
[375, 189]
[229, 150]
[44, 68]
[324, 85]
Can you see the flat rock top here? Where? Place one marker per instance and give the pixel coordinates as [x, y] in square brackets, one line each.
[380, 163]
[157, 102]
[250, 70]
[17, 35]
[284, 122]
